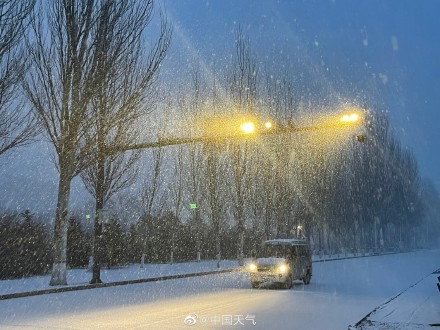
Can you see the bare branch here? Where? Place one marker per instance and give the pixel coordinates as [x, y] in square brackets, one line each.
[17, 125]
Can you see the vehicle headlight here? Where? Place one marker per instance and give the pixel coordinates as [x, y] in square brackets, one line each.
[282, 268]
[252, 267]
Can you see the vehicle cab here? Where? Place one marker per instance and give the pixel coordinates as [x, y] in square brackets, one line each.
[280, 262]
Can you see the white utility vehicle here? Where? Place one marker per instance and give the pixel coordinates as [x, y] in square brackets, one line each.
[280, 262]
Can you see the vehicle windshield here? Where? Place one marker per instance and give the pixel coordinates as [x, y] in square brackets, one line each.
[276, 251]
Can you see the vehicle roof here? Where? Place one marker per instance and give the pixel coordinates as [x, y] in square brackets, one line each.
[286, 241]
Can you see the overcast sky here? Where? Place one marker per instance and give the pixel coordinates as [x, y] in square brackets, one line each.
[388, 51]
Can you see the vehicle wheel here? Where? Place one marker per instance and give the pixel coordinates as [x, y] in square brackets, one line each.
[255, 285]
[307, 278]
[289, 283]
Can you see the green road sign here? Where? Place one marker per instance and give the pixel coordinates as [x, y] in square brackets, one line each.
[192, 206]
[87, 216]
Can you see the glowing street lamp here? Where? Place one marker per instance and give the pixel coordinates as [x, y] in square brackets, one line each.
[268, 125]
[350, 118]
[353, 119]
[248, 127]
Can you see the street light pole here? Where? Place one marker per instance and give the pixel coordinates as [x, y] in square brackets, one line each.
[248, 130]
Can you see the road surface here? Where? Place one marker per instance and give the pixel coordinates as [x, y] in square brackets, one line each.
[340, 294]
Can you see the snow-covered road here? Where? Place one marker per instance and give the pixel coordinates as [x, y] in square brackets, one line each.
[340, 294]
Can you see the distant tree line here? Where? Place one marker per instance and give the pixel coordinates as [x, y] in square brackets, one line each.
[26, 243]
[25, 248]
[26, 240]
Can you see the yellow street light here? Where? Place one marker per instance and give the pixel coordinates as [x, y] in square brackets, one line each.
[268, 124]
[350, 118]
[248, 127]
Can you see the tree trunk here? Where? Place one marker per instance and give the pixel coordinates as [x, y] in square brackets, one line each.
[218, 250]
[240, 216]
[199, 234]
[96, 277]
[213, 195]
[240, 248]
[59, 276]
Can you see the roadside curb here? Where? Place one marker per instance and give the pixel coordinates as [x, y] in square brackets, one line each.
[361, 256]
[110, 284]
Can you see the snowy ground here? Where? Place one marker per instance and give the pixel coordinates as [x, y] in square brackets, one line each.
[418, 307]
[132, 272]
[341, 293]
[77, 277]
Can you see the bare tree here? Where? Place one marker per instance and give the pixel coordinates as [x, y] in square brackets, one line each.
[123, 93]
[152, 198]
[243, 78]
[243, 89]
[196, 173]
[69, 51]
[176, 191]
[17, 125]
[190, 107]
[60, 87]
[213, 151]
[120, 172]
